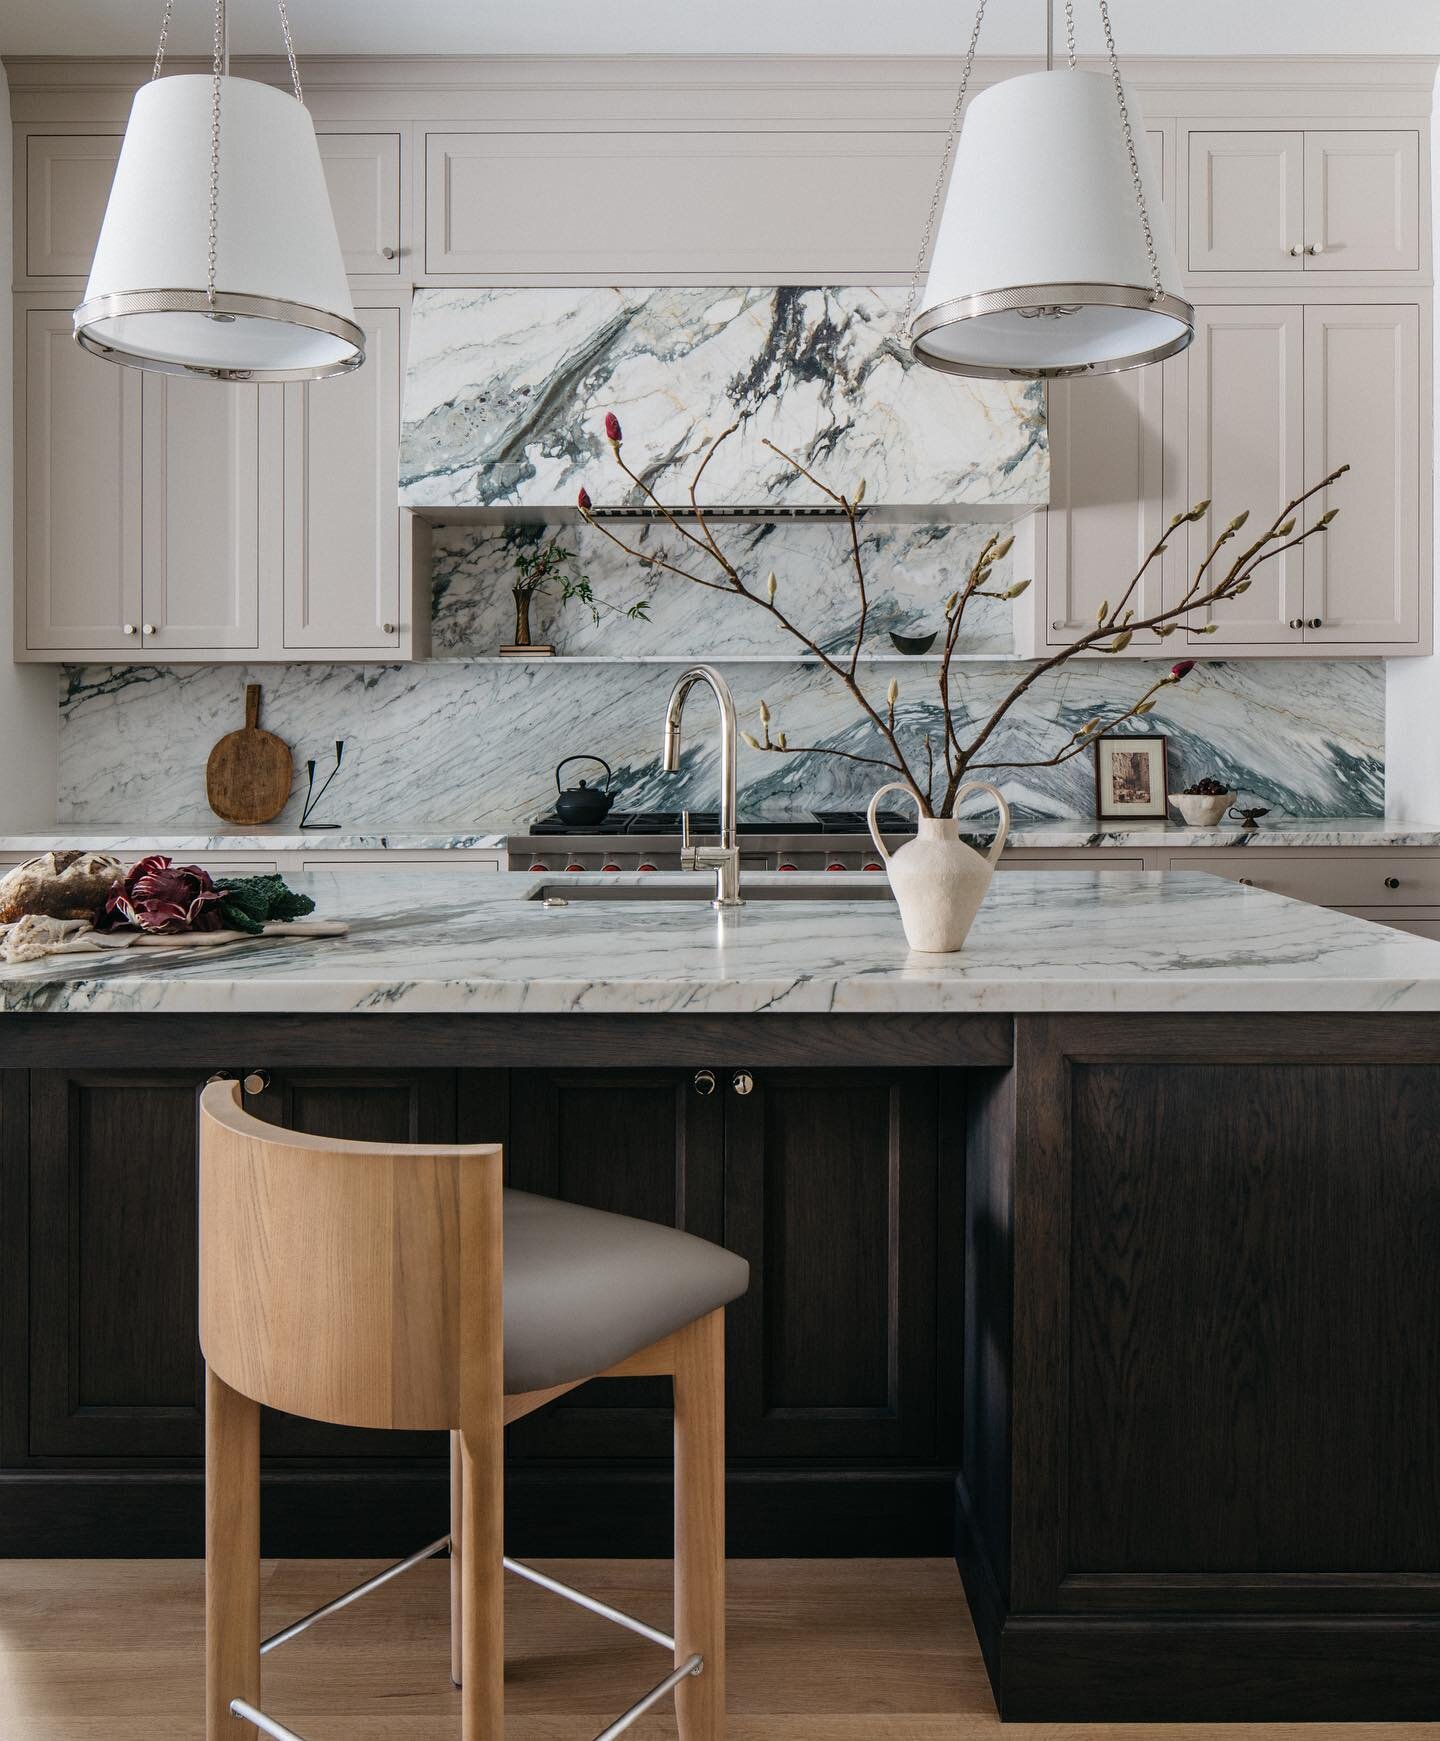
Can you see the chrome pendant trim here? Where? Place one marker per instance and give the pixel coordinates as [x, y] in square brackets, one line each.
[1022, 299]
[224, 302]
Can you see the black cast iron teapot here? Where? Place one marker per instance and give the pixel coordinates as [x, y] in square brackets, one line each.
[583, 806]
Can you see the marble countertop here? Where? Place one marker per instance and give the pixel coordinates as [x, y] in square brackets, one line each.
[1314, 831]
[448, 943]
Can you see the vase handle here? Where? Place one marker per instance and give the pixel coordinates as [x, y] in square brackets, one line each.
[1003, 832]
[890, 786]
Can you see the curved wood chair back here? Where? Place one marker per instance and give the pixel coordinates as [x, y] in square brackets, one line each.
[351, 1282]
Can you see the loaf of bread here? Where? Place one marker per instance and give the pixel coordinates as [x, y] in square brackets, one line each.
[59, 885]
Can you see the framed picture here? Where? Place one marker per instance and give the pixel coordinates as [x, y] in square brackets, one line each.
[1130, 777]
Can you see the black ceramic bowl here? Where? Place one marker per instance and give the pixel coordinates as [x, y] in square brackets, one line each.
[912, 643]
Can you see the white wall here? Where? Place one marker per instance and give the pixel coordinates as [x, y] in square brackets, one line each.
[29, 719]
[1412, 686]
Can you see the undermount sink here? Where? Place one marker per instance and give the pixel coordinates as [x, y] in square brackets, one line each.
[701, 891]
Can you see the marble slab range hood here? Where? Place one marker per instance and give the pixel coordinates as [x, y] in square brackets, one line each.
[506, 393]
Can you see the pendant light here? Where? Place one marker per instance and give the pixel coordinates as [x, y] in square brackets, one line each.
[1049, 260]
[218, 254]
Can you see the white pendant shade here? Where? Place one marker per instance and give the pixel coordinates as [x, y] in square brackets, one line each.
[1040, 265]
[281, 297]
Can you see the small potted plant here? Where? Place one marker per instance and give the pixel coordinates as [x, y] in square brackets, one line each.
[1203, 804]
[551, 567]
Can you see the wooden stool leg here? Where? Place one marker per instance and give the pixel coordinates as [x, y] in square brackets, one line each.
[700, 1526]
[482, 1607]
[457, 1574]
[232, 1558]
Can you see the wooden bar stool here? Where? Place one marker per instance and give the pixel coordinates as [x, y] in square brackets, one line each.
[362, 1284]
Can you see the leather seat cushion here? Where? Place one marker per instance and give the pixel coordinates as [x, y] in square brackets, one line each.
[584, 1289]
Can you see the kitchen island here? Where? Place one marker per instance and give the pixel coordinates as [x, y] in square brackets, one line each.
[1109, 1243]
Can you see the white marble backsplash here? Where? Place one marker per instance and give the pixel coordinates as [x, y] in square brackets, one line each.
[453, 744]
[506, 393]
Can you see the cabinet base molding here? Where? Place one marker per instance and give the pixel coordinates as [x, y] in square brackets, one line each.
[562, 1510]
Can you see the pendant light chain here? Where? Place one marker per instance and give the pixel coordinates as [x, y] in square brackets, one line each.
[1070, 33]
[290, 51]
[214, 230]
[939, 188]
[164, 33]
[1157, 289]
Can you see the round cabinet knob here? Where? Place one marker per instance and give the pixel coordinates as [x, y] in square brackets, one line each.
[255, 1081]
[130, 629]
[1057, 624]
[742, 1082]
[148, 629]
[1249, 882]
[389, 628]
[1315, 623]
[1314, 248]
[1296, 252]
[1297, 622]
[1392, 882]
[704, 1081]
[390, 253]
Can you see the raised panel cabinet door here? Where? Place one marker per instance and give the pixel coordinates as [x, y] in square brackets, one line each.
[1247, 202]
[1106, 498]
[1362, 201]
[67, 185]
[1246, 451]
[636, 1142]
[201, 488]
[364, 1105]
[1362, 409]
[492, 201]
[831, 1190]
[114, 1340]
[362, 173]
[342, 493]
[80, 522]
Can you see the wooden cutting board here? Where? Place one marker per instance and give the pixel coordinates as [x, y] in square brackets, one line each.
[247, 778]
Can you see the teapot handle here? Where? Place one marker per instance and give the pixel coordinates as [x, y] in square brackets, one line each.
[1003, 832]
[890, 786]
[583, 758]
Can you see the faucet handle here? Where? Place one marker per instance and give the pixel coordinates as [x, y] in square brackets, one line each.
[686, 838]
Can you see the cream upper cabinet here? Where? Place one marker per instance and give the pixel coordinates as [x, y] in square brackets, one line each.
[362, 173]
[1246, 451]
[78, 500]
[67, 183]
[342, 517]
[1362, 201]
[200, 487]
[1246, 202]
[1362, 409]
[1107, 502]
[1346, 200]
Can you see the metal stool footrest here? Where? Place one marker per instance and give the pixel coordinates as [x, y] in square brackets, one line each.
[691, 1666]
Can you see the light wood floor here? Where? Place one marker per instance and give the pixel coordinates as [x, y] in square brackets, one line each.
[821, 1650]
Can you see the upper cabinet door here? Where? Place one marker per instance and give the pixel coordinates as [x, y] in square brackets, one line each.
[1246, 452]
[1362, 201]
[1362, 409]
[201, 554]
[342, 513]
[67, 183]
[80, 522]
[362, 172]
[1246, 202]
[1106, 498]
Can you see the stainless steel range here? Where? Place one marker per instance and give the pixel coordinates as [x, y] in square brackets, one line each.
[813, 840]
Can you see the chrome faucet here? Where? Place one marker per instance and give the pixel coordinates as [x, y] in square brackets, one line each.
[724, 859]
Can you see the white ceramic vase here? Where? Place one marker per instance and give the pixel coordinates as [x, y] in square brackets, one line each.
[939, 882]
[1202, 809]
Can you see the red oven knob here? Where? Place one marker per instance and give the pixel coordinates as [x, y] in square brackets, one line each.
[835, 864]
[646, 866]
[539, 864]
[574, 867]
[605, 867]
[872, 866]
[785, 867]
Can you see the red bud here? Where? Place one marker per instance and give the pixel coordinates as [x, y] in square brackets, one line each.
[612, 426]
[1181, 669]
[584, 500]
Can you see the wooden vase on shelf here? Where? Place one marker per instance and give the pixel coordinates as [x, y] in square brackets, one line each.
[523, 647]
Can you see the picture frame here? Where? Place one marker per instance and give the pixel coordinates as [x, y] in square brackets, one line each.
[1131, 777]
